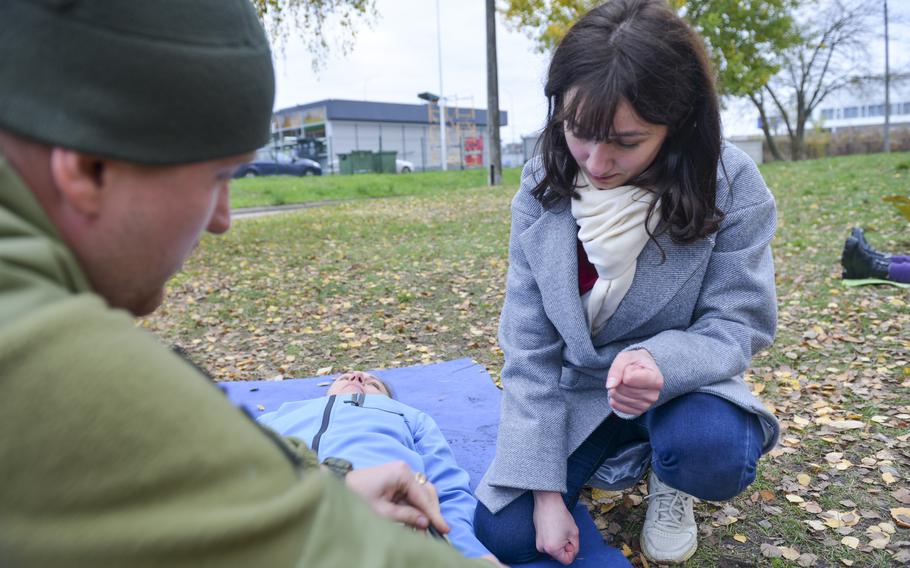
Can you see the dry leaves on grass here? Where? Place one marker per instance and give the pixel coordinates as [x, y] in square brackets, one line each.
[405, 281]
[379, 284]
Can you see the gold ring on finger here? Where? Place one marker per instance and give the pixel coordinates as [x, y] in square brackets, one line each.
[421, 477]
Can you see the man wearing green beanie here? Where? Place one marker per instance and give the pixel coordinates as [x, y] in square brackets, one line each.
[120, 126]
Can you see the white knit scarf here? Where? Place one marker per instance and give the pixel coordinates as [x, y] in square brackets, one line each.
[611, 227]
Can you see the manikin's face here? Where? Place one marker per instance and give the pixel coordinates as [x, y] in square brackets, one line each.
[151, 219]
[357, 382]
[628, 152]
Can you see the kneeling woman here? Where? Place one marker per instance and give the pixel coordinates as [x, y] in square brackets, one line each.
[640, 285]
[360, 422]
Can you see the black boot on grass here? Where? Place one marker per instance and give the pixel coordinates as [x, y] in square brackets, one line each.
[858, 234]
[860, 264]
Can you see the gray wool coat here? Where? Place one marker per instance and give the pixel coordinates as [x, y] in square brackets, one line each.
[702, 314]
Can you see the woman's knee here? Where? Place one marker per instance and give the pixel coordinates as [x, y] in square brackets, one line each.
[509, 534]
[709, 448]
[713, 481]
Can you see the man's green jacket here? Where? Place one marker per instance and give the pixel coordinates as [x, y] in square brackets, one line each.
[116, 452]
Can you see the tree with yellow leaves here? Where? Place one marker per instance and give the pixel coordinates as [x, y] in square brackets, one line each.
[312, 19]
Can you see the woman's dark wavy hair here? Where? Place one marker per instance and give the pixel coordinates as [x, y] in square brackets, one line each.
[642, 52]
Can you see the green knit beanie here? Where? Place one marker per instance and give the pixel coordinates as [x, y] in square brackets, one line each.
[146, 81]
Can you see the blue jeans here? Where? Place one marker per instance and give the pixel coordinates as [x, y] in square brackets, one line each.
[701, 444]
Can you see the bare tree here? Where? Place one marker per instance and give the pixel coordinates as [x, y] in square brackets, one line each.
[829, 57]
[758, 99]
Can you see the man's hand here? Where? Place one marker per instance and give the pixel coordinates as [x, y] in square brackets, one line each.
[634, 382]
[393, 492]
[557, 533]
[494, 560]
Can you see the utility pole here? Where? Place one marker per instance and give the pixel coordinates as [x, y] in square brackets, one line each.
[495, 152]
[887, 86]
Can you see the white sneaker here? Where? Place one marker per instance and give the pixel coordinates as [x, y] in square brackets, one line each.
[669, 534]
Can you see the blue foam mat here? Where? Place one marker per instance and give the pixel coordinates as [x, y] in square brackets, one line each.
[461, 397]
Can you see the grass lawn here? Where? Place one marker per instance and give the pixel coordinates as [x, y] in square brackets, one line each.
[393, 282]
[284, 190]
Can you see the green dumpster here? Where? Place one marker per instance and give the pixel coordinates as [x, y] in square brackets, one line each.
[344, 164]
[361, 162]
[384, 162]
[367, 161]
[356, 162]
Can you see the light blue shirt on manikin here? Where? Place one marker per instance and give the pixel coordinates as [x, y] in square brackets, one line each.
[370, 430]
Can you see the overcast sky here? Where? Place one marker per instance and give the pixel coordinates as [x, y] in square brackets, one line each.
[397, 58]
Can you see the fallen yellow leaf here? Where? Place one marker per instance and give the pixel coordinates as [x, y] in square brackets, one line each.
[889, 478]
[811, 507]
[794, 498]
[850, 541]
[740, 537]
[803, 479]
[816, 525]
[602, 495]
[836, 519]
[886, 528]
[833, 457]
[901, 516]
[833, 522]
[632, 500]
[880, 543]
[789, 553]
[843, 465]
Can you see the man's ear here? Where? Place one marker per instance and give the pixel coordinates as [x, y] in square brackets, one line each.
[79, 179]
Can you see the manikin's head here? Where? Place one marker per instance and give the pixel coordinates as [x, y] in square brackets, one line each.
[126, 121]
[358, 382]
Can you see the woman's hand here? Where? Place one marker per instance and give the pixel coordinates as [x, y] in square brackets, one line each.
[557, 533]
[634, 382]
[394, 492]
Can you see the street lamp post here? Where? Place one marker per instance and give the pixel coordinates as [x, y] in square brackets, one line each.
[442, 108]
[887, 133]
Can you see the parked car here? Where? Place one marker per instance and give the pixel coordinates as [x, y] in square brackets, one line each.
[404, 166]
[271, 163]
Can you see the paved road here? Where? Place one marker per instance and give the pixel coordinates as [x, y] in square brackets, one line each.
[253, 212]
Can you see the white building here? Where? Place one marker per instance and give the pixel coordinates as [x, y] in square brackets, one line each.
[864, 108]
[327, 128]
[861, 107]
